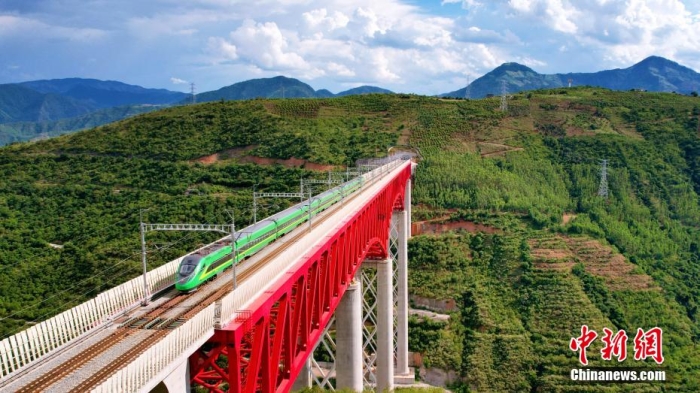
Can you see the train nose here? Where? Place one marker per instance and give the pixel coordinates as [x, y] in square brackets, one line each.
[188, 266]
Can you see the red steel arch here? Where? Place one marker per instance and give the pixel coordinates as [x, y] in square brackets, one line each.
[267, 348]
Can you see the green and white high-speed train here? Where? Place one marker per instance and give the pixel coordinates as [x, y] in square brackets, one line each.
[195, 269]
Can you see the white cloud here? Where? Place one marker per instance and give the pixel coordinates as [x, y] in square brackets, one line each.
[486, 56]
[380, 42]
[466, 4]
[340, 70]
[370, 22]
[221, 50]
[319, 18]
[560, 15]
[266, 46]
[178, 81]
[624, 31]
[12, 25]
[475, 34]
[175, 23]
[530, 62]
[522, 5]
[652, 27]
[397, 44]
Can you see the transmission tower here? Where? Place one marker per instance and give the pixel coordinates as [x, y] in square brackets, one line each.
[192, 91]
[603, 188]
[504, 98]
[468, 90]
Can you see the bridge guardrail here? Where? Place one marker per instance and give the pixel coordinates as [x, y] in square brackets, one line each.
[137, 373]
[45, 337]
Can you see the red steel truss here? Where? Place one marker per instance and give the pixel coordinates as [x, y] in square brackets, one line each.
[264, 349]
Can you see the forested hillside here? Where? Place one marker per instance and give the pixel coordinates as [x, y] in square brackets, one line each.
[46, 108]
[555, 256]
[26, 131]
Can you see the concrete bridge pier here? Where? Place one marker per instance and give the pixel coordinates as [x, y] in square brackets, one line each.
[348, 322]
[403, 227]
[385, 326]
[304, 379]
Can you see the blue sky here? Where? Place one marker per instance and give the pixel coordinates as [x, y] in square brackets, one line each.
[418, 46]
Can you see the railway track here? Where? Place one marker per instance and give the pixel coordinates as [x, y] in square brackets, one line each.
[60, 372]
[157, 323]
[104, 373]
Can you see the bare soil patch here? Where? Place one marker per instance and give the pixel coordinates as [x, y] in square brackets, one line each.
[289, 163]
[550, 255]
[225, 154]
[489, 149]
[210, 159]
[578, 131]
[438, 226]
[240, 155]
[518, 124]
[567, 217]
[617, 272]
[561, 253]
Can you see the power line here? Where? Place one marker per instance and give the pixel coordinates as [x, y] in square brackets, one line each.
[62, 307]
[100, 274]
[66, 290]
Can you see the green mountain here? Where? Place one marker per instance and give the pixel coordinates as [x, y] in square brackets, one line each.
[323, 93]
[19, 103]
[651, 74]
[510, 232]
[105, 94]
[47, 108]
[364, 90]
[277, 87]
[26, 131]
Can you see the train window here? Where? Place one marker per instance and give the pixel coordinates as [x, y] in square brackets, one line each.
[187, 267]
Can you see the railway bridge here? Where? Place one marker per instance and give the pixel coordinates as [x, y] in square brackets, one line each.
[339, 284]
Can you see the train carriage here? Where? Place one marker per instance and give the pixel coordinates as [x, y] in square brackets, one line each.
[197, 268]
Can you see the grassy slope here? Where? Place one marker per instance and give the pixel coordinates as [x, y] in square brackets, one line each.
[518, 172]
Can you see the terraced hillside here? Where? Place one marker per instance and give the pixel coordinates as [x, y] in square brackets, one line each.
[539, 253]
